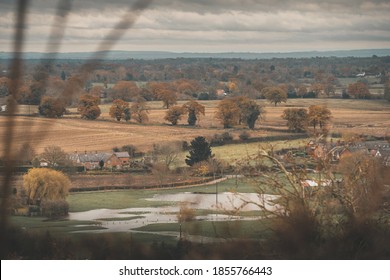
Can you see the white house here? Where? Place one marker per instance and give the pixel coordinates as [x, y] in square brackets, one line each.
[361, 74]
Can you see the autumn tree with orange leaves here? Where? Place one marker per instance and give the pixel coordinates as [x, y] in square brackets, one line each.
[89, 107]
[359, 90]
[319, 115]
[275, 95]
[174, 114]
[168, 97]
[139, 111]
[126, 91]
[51, 107]
[118, 109]
[228, 113]
[194, 110]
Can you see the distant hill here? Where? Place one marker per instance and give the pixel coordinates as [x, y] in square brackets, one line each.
[121, 55]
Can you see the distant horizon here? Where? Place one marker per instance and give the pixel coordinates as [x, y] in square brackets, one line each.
[207, 52]
[154, 55]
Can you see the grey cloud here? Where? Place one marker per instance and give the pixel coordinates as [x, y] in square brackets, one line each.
[214, 6]
[209, 24]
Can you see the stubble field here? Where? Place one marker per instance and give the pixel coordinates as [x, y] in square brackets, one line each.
[370, 117]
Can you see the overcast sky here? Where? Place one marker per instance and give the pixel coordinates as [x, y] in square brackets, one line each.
[207, 25]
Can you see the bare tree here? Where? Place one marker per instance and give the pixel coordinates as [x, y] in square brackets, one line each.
[314, 215]
[55, 156]
[167, 153]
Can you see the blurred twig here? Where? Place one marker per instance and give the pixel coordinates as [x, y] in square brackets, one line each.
[16, 69]
[55, 39]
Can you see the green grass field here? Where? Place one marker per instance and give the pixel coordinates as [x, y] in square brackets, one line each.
[56, 227]
[79, 202]
[222, 230]
[235, 152]
[125, 199]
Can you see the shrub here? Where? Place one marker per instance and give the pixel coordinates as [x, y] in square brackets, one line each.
[201, 169]
[131, 149]
[186, 214]
[244, 136]
[336, 135]
[217, 140]
[203, 96]
[185, 146]
[54, 208]
[221, 139]
[227, 137]
[344, 94]
[310, 94]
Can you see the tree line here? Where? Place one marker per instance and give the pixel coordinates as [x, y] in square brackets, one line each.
[181, 79]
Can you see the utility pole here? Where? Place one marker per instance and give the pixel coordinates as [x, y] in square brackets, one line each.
[216, 193]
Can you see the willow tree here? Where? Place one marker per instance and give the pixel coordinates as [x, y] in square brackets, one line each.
[44, 184]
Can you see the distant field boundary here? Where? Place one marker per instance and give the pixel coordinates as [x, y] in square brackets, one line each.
[271, 138]
[153, 186]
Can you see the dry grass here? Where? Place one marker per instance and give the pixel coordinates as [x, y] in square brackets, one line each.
[370, 117]
[79, 135]
[73, 134]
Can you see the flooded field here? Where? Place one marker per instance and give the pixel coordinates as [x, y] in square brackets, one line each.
[129, 219]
